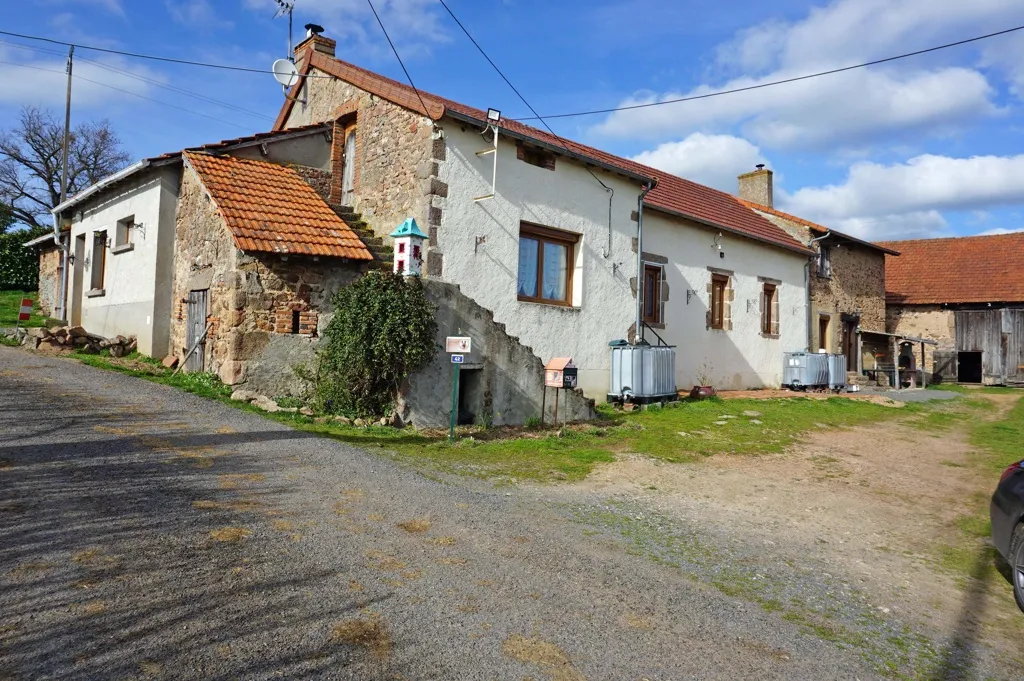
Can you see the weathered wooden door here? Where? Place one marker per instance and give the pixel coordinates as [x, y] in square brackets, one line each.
[1013, 336]
[195, 321]
[348, 173]
[982, 331]
[945, 367]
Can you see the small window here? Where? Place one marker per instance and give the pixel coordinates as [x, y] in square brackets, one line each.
[825, 262]
[719, 283]
[124, 235]
[767, 309]
[401, 247]
[823, 323]
[535, 156]
[98, 268]
[652, 294]
[295, 321]
[546, 262]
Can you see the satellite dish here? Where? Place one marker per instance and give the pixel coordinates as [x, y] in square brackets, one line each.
[285, 73]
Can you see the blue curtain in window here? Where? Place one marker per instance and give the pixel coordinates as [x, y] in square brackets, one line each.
[555, 271]
[528, 267]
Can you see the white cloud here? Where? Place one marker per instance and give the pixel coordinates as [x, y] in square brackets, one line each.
[995, 231]
[111, 6]
[894, 201]
[712, 160]
[927, 93]
[196, 14]
[414, 25]
[42, 81]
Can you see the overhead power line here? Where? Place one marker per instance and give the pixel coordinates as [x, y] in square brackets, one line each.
[136, 55]
[144, 79]
[779, 82]
[127, 92]
[399, 58]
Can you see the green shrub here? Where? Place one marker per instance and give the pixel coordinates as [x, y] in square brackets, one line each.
[383, 329]
[19, 266]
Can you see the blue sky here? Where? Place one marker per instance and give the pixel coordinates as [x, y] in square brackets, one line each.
[928, 146]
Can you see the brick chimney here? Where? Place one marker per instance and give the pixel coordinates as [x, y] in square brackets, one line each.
[756, 186]
[315, 40]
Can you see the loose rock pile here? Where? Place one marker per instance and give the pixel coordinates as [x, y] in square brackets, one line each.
[64, 338]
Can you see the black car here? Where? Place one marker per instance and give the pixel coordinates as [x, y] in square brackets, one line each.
[1007, 511]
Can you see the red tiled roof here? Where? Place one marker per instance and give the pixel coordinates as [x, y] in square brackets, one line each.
[813, 226]
[973, 269]
[672, 194]
[269, 208]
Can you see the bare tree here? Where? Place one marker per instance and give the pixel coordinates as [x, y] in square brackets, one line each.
[30, 162]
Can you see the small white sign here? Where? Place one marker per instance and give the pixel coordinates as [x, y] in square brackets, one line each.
[460, 344]
[458, 359]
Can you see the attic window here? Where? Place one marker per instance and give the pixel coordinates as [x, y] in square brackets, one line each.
[535, 156]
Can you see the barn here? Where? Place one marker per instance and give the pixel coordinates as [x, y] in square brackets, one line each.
[967, 294]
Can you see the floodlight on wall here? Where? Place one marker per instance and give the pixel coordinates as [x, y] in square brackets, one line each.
[493, 119]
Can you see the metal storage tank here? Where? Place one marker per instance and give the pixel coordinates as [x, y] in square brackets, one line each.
[836, 372]
[642, 373]
[804, 369]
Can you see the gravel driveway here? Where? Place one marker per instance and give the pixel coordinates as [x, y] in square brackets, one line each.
[148, 533]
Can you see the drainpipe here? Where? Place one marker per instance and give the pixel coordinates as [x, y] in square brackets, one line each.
[62, 293]
[638, 335]
[611, 195]
[807, 286]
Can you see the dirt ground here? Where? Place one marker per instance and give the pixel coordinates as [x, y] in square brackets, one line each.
[877, 504]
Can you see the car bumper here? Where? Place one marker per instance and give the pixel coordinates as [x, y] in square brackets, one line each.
[1002, 526]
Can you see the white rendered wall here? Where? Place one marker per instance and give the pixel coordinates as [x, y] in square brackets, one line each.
[136, 285]
[568, 199]
[740, 358]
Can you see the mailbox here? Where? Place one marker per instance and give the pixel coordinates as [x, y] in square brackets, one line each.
[560, 372]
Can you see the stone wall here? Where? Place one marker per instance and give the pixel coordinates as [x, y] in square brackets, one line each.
[924, 321]
[503, 380]
[49, 278]
[857, 283]
[396, 175]
[318, 179]
[252, 297]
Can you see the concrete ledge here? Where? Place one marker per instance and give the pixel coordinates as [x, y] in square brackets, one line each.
[96, 293]
[123, 248]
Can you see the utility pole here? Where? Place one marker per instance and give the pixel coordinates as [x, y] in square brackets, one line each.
[67, 131]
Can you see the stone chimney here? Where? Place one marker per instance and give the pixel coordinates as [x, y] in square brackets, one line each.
[317, 41]
[756, 186]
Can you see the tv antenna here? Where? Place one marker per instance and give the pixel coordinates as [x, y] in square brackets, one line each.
[286, 7]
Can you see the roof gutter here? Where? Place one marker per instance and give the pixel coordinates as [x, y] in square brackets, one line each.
[562, 151]
[638, 335]
[731, 230]
[102, 184]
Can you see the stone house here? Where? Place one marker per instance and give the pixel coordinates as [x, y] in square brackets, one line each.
[121, 238]
[846, 299]
[51, 265]
[548, 243]
[966, 293]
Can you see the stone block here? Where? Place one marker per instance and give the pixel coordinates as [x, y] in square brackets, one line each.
[76, 332]
[244, 396]
[170, 361]
[232, 372]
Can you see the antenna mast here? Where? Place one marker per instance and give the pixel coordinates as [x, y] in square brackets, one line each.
[287, 7]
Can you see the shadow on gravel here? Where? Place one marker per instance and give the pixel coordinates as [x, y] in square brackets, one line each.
[109, 570]
[960, 656]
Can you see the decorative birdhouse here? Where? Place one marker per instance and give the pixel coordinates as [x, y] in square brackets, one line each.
[408, 248]
[560, 372]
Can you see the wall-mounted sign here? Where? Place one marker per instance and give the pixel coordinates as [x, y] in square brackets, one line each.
[458, 359]
[459, 344]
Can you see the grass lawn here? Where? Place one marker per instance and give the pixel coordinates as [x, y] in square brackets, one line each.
[681, 432]
[10, 305]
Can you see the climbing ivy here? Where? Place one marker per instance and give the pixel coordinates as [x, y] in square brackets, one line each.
[383, 329]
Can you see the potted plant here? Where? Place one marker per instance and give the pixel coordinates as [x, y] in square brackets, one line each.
[703, 389]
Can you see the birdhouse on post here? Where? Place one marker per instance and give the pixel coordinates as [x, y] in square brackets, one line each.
[408, 248]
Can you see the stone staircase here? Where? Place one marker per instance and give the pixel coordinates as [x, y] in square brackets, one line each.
[383, 253]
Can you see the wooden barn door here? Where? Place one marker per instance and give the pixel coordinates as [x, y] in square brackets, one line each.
[1013, 336]
[982, 331]
[195, 321]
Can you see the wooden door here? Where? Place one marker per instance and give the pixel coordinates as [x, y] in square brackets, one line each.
[77, 280]
[348, 173]
[982, 331]
[195, 321]
[1013, 337]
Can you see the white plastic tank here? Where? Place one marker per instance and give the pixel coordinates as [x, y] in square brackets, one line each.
[642, 373]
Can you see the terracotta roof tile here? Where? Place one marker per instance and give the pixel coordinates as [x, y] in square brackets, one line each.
[269, 208]
[974, 269]
[672, 194]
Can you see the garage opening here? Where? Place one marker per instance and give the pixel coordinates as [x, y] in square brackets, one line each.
[968, 367]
